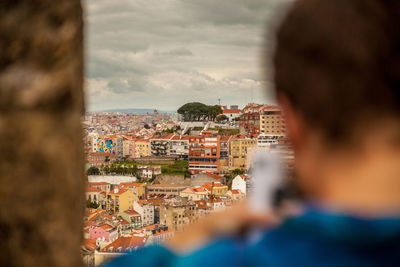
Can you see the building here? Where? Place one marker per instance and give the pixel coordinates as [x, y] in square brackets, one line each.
[239, 147]
[272, 121]
[202, 178]
[120, 200]
[93, 194]
[216, 189]
[178, 212]
[125, 244]
[195, 193]
[179, 147]
[98, 159]
[140, 148]
[204, 153]
[235, 195]
[126, 150]
[232, 114]
[146, 211]
[105, 232]
[203, 207]
[217, 204]
[159, 145]
[133, 218]
[240, 183]
[138, 189]
[164, 190]
[249, 123]
[158, 234]
[102, 186]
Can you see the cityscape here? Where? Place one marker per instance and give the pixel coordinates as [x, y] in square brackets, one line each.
[150, 175]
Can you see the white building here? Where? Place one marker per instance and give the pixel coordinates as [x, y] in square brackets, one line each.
[240, 183]
[232, 113]
[146, 211]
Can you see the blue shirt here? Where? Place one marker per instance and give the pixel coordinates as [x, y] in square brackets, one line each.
[315, 238]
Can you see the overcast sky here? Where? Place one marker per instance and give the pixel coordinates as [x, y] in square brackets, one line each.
[164, 53]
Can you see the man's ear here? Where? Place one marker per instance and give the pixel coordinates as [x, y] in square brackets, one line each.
[294, 122]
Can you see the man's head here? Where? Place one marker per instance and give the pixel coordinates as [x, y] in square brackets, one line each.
[338, 64]
[337, 74]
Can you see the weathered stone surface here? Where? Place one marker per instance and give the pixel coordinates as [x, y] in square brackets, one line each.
[41, 164]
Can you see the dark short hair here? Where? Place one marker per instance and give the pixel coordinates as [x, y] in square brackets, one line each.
[338, 62]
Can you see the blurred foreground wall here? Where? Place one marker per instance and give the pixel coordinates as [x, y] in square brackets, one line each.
[41, 156]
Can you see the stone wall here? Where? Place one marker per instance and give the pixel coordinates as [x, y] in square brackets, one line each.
[42, 163]
[171, 179]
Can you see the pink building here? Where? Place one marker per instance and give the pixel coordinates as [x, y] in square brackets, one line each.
[105, 232]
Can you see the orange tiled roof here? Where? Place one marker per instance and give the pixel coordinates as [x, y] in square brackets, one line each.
[166, 185]
[118, 193]
[90, 244]
[124, 243]
[215, 176]
[93, 189]
[130, 212]
[130, 185]
[231, 111]
[202, 204]
[97, 183]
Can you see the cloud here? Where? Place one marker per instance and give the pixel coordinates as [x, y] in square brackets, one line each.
[163, 53]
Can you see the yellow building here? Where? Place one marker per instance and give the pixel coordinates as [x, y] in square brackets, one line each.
[216, 189]
[126, 147]
[195, 193]
[120, 200]
[138, 189]
[141, 148]
[239, 147]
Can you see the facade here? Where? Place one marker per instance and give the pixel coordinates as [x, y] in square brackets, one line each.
[98, 159]
[272, 121]
[159, 146]
[240, 183]
[217, 204]
[104, 232]
[249, 123]
[132, 217]
[203, 208]
[202, 178]
[120, 200]
[164, 190]
[93, 194]
[224, 147]
[140, 148]
[178, 212]
[126, 150]
[146, 211]
[179, 147]
[138, 189]
[102, 186]
[232, 114]
[204, 153]
[240, 145]
[158, 234]
[216, 189]
[195, 193]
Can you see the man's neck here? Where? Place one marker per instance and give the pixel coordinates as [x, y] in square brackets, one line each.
[365, 182]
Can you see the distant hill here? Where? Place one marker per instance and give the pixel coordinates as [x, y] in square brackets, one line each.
[136, 110]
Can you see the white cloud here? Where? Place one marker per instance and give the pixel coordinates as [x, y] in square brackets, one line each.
[164, 53]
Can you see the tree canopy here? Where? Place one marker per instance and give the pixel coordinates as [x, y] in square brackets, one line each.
[199, 111]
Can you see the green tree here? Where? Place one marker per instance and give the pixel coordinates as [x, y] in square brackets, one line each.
[92, 205]
[222, 118]
[93, 171]
[237, 172]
